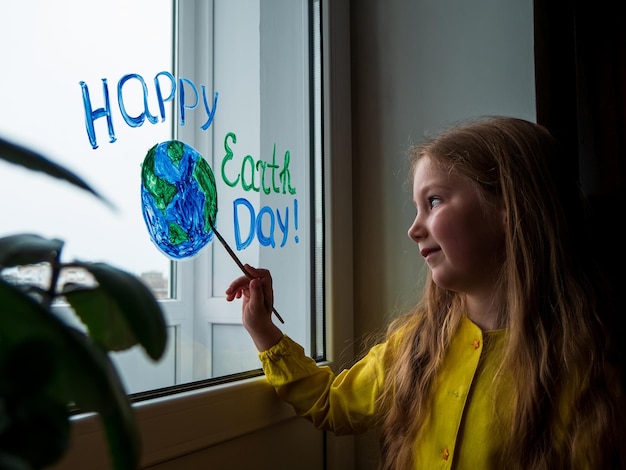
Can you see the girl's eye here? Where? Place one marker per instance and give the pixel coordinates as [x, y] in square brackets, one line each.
[434, 201]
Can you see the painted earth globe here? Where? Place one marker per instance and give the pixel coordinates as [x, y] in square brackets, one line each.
[178, 199]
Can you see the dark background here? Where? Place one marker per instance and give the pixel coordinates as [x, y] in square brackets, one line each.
[580, 56]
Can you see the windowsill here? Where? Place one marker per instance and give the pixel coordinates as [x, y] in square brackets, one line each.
[184, 423]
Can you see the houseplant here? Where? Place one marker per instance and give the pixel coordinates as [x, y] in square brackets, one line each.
[48, 367]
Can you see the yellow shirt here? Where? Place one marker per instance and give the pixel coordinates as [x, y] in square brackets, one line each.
[464, 428]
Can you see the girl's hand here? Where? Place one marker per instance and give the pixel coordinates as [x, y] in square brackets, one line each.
[256, 308]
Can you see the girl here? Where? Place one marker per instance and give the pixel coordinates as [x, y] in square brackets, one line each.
[505, 362]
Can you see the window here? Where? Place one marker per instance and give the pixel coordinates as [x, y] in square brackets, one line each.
[239, 81]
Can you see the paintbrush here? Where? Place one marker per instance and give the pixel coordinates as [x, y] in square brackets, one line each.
[238, 261]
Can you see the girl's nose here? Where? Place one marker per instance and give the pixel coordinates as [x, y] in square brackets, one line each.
[417, 231]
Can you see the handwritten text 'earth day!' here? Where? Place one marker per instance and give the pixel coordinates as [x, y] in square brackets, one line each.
[270, 226]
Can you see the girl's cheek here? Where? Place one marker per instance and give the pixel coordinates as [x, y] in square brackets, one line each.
[438, 225]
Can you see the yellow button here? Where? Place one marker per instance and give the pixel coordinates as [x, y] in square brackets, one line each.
[445, 453]
[476, 343]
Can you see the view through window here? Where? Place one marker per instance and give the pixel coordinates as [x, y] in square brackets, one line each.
[95, 89]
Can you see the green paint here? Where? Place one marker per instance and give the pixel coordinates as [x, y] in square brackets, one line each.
[161, 190]
[206, 181]
[176, 150]
[227, 158]
[177, 234]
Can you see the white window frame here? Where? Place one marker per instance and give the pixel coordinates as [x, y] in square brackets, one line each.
[194, 310]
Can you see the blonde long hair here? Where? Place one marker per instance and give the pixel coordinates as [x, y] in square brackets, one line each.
[556, 342]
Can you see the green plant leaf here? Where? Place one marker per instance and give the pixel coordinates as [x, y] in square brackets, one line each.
[85, 375]
[11, 462]
[136, 303]
[35, 426]
[23, 249]
[39, 430]
[101, 314]
[14, 153]
[114, 407]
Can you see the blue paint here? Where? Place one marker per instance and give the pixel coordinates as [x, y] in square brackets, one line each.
[185, 89]
[263, 239]
[170, 97]
[139, 120]
[266, 217]
[295, 219]
[183, 105]
[91, 115]
[181, 98]
[242, 244]
[284, 226]
[210, 111]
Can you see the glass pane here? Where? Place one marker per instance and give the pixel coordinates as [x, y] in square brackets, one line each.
[263, 148]
[52, 54]
[234, 352]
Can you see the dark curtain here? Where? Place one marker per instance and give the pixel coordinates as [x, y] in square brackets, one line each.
[580, 59]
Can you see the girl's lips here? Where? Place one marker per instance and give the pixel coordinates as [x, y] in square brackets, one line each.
[428, 251]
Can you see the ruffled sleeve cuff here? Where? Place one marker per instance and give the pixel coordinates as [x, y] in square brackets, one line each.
[286, 362]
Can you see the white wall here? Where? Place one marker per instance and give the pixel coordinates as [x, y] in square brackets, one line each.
[418, 65]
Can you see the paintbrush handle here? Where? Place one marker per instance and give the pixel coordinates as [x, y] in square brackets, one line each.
[239, 263]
